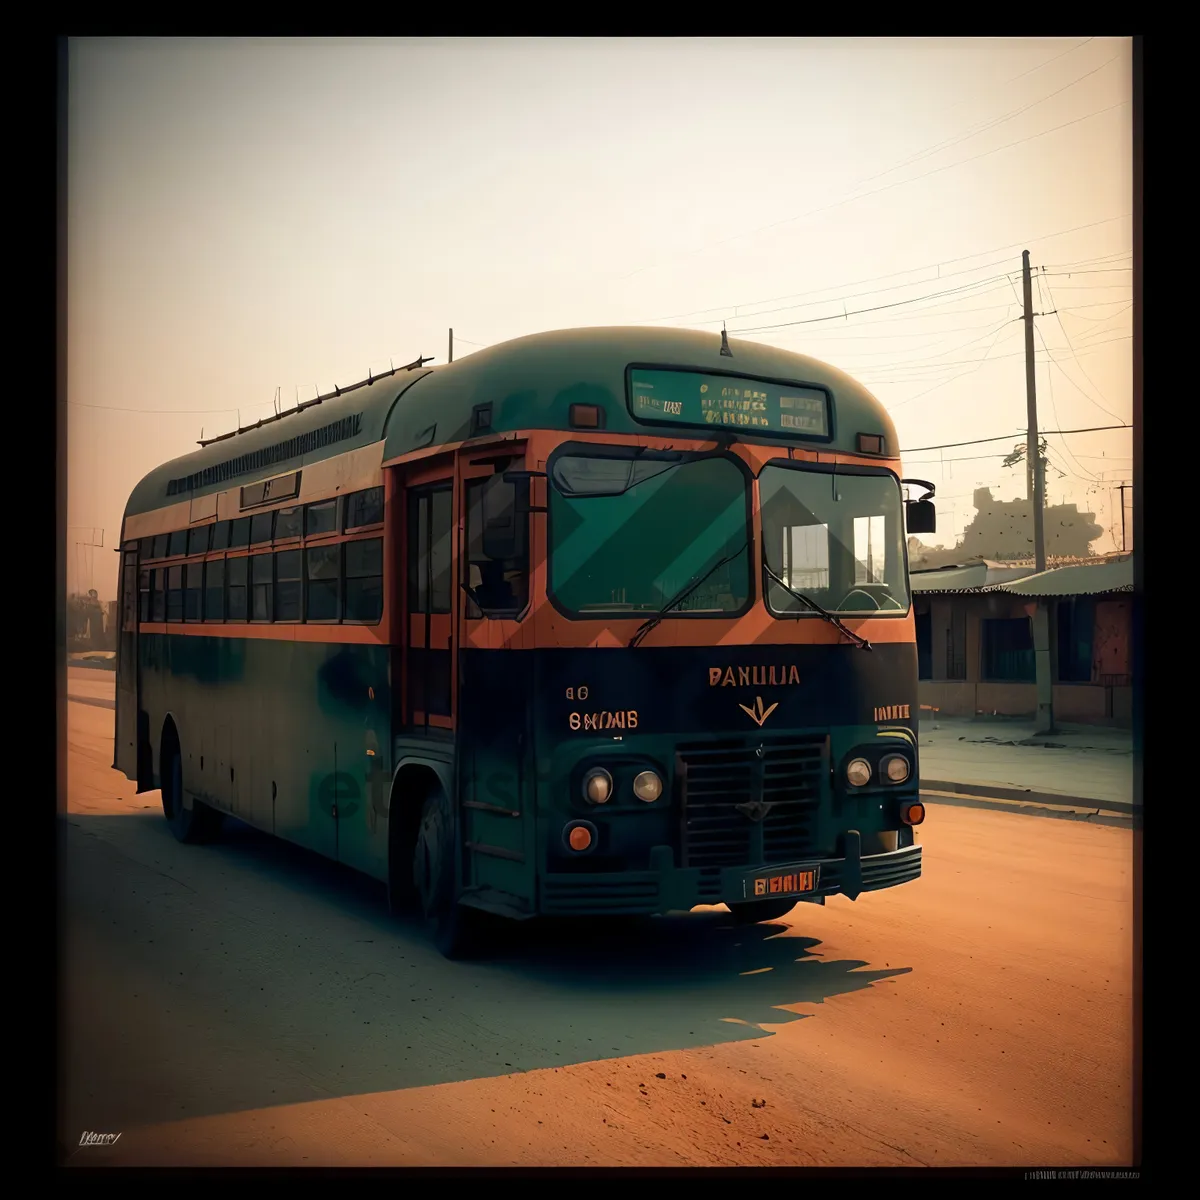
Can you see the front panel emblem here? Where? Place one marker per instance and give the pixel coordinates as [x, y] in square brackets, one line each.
[757, 713]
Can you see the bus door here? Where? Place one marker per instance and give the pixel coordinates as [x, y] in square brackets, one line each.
[429, 561]
[495, 681]
[125, 743]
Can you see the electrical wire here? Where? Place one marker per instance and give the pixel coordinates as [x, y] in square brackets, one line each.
[1078, 363]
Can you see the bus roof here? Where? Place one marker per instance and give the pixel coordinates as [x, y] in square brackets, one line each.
[530, 383]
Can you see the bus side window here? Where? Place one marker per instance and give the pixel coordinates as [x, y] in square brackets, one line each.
[497, 567]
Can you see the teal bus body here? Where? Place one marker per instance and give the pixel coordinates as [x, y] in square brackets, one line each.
[351, 688]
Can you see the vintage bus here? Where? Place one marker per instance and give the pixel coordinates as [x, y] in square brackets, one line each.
[602, 621]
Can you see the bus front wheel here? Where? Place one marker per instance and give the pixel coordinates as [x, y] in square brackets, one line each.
[454, 925]
[195, 824]
[760, 910]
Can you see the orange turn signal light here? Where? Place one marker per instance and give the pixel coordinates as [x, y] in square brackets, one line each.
[912, 814]
[579, 838]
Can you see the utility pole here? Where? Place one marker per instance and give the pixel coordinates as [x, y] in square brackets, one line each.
[451, 356]
[1041, 613]
[1123, 488]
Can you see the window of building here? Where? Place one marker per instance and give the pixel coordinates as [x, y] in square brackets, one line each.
[323, 569]
[260, 587]
[177, 543]
[198, 539]
[870, 549]
[806, 557]
[924, 644]
[364, 508]
[321, 518]
[364, 580]
[289, 523]
[497, 551]
[175, 593]
[214, 589]
[1076, 638]
[956, 643]
[145, 577]
[239, 533]
[236, 572]
[260, 528]
[193, 600]
[220, 539]
[1007, 650]
[288, 585]
[158, 597]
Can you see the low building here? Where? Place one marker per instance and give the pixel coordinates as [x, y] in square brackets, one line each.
[975, 638]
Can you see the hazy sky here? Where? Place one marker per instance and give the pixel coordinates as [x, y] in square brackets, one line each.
[253, 215]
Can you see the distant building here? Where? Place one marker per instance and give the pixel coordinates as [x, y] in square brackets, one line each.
[975, 638]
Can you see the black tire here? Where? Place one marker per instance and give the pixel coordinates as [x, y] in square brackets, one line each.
[193, 825]
[455, 926]
[761, 910]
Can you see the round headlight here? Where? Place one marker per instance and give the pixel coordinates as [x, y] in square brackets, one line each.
[647, 786]
[858, 773]
[597, 786]
[896, 768]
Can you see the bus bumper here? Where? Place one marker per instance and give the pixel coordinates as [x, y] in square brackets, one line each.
[666, 888]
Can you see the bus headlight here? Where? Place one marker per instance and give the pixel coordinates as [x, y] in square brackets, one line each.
[647, 786]
[858, 773]
[597, 786]
[896, 768]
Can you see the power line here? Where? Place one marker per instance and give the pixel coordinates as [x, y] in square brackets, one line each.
[1004, 437]
[1078, 363]
[1053, 409]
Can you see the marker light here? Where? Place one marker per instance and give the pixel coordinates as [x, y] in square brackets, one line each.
[579, 838]
[912, 814]
[896, 768]
[597, 786]
[647, 786]
[858, 773]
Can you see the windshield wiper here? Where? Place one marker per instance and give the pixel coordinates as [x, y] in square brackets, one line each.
[861, 643]
[680, 596]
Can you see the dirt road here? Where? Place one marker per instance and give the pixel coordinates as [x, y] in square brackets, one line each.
[248, 1004]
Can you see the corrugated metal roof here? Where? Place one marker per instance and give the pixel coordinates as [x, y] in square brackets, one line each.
[1109, 575]
[970, 577]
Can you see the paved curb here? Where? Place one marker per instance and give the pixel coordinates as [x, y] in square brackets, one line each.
[987, 792]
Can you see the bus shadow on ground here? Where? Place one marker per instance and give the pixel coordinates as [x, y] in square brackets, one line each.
[360, 1002]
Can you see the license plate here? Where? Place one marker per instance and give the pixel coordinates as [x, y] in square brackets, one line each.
[787, 883]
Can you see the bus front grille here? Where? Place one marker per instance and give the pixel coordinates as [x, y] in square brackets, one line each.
[749, 804]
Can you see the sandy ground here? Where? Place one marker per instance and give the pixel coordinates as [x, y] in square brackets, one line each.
[249, 1004]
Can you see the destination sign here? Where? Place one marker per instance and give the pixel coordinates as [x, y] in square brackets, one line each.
[689, 398]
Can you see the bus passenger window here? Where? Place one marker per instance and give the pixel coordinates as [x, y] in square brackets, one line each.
[239, 534]
[214, 590]
[144, 577]
[178, 543]
[497, 551]
[194, 595]
[146, 549]
[260, 528]
[235, 597]
[287, 585]
[198, 537]
[288, 523]
[220, 539]
[364, 508]
[321, 518]
[175, 593]
[260, 587]
[323, 567]
[158, 600]
[160, 546]
[364, 580]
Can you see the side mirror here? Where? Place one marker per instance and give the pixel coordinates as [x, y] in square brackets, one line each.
[921, 516]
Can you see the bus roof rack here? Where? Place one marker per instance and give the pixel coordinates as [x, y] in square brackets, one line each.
[337, 391]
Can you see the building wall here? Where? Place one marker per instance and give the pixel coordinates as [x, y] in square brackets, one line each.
[1107, 699]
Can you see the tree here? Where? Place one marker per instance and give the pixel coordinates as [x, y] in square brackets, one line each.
[1019, 452]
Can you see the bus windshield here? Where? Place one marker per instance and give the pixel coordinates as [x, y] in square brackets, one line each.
[835, 538]
[627, 534]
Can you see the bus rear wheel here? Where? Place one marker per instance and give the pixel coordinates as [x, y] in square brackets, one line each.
[760, 910]
[199, 823]
[454, 925]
